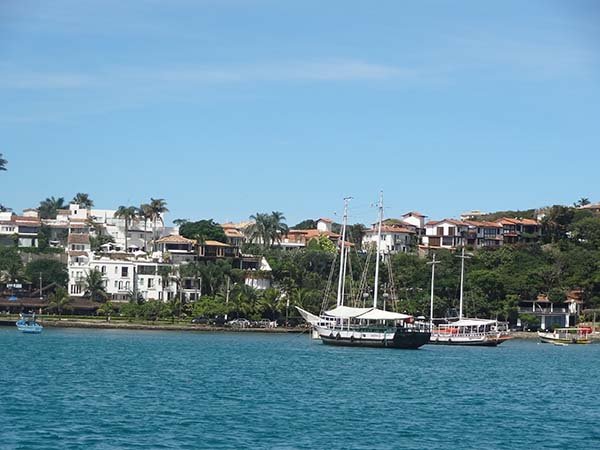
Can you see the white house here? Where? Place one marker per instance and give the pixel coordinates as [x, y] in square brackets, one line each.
[394, 238]
[122, 277]
[447, 233]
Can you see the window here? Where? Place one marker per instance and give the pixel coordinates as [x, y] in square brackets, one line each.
[116, 269]
[116, 285]
[439, 231]
[150, 282]
[103, 270]
[120, 285]
[127, 285]
[124, 271]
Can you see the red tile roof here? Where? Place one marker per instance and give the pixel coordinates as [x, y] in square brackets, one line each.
[75, 238]
[175, 239]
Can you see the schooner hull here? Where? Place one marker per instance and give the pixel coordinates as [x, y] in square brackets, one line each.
[399, 339]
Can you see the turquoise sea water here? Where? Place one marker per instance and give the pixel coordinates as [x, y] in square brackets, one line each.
[105, 389]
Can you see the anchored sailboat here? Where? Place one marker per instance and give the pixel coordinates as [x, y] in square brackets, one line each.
[368, 326]
[465, 331]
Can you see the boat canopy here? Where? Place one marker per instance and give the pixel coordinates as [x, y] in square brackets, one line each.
[469, 323]
[380, 314]
[347, 312]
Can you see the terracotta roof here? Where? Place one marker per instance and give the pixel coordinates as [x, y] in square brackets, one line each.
[390, 229]
[414, 213]
[211, 243]
[175, 239]
[451, 221]
[323, 219]
[515, 221]
[316, 233]
[75, 238]
[297, 232]
[232, 232]
[26, 220]
[483, 224]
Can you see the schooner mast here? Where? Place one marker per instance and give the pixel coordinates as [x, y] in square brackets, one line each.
[343, 255]
[380, 206]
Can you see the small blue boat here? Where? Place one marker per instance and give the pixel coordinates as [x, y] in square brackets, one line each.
[28, 324]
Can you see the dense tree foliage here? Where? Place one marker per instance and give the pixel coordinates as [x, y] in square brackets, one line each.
[202, 230]
[51, 271]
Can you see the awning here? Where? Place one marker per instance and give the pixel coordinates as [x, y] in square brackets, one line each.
[379, 314]
[469, 323]
[346, 312]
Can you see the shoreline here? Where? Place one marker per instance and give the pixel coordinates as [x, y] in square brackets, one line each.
[121, 325]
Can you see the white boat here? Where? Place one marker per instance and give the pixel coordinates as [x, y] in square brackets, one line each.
[476, 332]
[565, 336]
[367, 326]
[28, 324]
[465, 331]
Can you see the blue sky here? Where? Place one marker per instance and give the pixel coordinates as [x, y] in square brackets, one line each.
[230, 107]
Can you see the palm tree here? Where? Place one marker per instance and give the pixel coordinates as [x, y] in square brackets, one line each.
[193, 270]
[59, 300]
[106, 310]
[3, 162]
[269, 303]
[83, 200]
[145, 212]
[165, 274]
[260, 229]
[158, 207]
[278, 226]
[49, 208]
[268, 228]
[583, 201]
[127, 213]
[94, 286]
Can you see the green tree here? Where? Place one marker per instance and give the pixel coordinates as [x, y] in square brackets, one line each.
[11, 266]
[59, 301]
[3, 162]
[128, 214]
[51, 270]
[145, 213]
[202, 231]
[587, 232]
[583, 201]
[94, 286]
[165, 273]
[83, 200]
[267, 228]
[180, 222]
[43, 236]
[308, 224]
[96, 242]
[48, 208]
[556, 223]
[106, 309]
[157, 208]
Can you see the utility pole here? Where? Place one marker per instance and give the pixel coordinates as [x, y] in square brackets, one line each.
[433, 263]
[41, 296]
